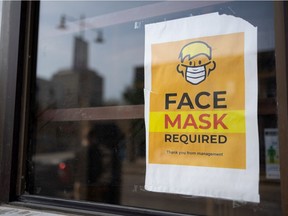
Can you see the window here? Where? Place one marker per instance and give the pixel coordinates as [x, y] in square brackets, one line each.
[83, 131]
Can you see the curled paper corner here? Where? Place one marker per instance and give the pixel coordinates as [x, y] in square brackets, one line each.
[236, 18]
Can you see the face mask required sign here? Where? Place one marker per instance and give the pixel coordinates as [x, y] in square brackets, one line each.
[201, 107]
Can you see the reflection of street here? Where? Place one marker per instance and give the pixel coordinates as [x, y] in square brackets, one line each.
[98, 165]
[133, 194]
[54, 173]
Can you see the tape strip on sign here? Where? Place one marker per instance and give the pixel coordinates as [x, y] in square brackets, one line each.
[201, 107]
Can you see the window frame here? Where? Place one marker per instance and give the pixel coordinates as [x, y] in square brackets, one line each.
[9, 96]
[281, 53]
[18, 48]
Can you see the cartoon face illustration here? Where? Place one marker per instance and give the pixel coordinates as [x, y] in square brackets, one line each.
[196, 62]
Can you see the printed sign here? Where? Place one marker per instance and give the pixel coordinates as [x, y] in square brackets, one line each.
[272, 153]
[201, 107]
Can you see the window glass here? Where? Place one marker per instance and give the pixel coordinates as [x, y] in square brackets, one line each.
[88, 132]
[0, 11]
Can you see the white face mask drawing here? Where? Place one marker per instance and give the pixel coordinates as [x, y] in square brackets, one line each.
[195, 75]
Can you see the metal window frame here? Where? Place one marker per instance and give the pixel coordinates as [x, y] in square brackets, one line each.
[18, 42]
[18, 51]
[9, 97]
[281, 53]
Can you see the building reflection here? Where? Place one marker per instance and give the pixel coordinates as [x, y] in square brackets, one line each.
[78, 160]
[79, 86]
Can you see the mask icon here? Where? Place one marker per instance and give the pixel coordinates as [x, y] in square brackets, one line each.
[195, 75]
[196, 62]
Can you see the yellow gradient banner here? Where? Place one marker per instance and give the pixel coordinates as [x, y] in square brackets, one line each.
[198, 102]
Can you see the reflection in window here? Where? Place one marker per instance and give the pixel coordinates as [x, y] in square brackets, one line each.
[0, 11]
[89, 133]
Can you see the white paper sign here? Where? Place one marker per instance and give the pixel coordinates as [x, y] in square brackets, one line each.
[201, 107]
